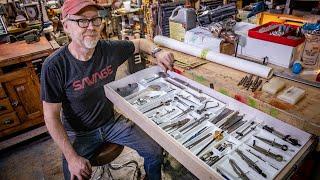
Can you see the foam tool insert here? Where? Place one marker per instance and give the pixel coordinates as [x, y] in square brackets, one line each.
[292, 95]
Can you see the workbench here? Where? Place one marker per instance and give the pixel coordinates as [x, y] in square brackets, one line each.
[21, 109]
[305, 115]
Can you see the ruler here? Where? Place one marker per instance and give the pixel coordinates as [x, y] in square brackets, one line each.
[296, 78]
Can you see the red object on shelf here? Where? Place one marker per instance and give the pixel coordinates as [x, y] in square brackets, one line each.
[266, 36]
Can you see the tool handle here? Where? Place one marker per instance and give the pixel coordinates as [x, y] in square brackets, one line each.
[267, 128]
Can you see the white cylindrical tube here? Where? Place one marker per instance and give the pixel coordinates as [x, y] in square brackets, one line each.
[223, 59]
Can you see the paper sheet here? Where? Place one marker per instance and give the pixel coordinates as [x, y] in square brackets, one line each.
[226, 60]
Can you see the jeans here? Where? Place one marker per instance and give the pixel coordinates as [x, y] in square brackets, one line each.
[122, 132]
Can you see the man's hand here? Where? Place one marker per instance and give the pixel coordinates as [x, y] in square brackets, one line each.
[165, 60]
[80, 168]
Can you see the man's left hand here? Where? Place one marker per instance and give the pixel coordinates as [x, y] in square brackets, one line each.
[165, 60]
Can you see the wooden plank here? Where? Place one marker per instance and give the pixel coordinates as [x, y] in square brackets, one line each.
[21, 51]
[304, 115]
[22, 137]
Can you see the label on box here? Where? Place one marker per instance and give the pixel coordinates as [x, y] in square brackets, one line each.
[311, 50]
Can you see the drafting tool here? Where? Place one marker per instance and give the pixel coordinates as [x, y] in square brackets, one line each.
[196, 134]
[176, 124]
[166, 103]
[238, 170]
[282, 136]
[273, 143]
[268, 153]
[218, 135]
[259, 157]
[250, 163]
[195, 123]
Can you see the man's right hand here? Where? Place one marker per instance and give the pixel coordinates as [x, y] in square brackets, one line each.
[80, 168]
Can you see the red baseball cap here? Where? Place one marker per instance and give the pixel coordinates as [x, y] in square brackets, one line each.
[74, 6]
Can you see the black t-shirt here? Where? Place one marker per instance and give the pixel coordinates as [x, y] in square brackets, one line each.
[78, 85]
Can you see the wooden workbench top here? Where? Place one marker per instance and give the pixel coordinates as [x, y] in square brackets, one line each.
[21, 51]
[304, 115]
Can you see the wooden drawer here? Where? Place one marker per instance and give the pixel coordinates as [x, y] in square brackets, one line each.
[8, 120]
[181, 142]
[2, 92]
[5, 106]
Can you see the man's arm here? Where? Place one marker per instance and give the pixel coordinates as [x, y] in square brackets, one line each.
[164, 59]
[79, 167]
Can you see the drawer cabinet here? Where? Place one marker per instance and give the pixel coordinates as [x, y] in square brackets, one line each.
[5, 106]
[20, 105]
[8, 120]
[2, 93]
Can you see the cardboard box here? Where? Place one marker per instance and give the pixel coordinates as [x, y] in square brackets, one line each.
[278, 54]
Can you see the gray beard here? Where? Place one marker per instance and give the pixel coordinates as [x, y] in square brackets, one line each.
[90, 44]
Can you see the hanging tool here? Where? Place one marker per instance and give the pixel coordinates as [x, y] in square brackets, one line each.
[282, 136]
[196, 134]
[259, 157]
[205, 108]
[251, 163]
[177, 124]
[238, 170]
[277, 157]
[166, 103]
[195, 123]
[273, 143]
[218, 135]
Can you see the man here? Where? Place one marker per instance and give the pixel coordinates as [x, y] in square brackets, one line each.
[72, 80]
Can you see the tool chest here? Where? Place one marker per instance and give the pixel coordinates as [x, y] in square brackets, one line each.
[212, 135]
[277, 32]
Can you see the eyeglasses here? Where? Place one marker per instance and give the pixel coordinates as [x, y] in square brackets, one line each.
[84, 23]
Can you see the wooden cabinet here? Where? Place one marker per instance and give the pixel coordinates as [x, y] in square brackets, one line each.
[21, 88]
[20, 104]
[21, 107]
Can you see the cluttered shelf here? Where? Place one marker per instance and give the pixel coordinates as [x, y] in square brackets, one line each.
[304, 115]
